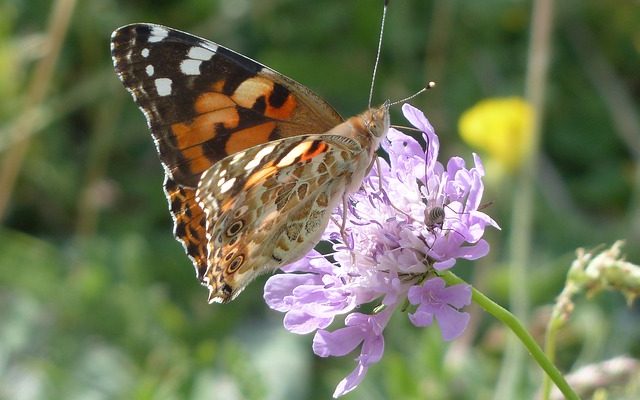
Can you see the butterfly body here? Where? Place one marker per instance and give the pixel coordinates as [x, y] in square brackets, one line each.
[254, 161]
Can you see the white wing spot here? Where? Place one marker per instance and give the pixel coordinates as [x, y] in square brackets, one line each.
[200, 53]
[149, 70]
[227, 185]
[190, 67]
[221, 181]
[222, 173]
[294, 153]
[236, 157]
[157, 34]
[163, 86]
[258, 158]
[144, 53]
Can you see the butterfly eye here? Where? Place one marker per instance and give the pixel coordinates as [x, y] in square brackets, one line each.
[235, 228]
[236, 263]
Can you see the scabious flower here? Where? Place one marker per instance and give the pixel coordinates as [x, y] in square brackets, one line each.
[413, 218]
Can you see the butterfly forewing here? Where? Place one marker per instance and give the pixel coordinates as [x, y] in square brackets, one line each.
[189, 223]
[203, 101]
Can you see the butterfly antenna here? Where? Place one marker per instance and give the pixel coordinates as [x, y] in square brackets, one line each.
[375, 66]
[430, 85]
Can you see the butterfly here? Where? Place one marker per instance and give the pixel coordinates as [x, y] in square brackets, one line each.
[254, 162]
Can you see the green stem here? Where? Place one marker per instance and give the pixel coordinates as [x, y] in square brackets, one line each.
[550, 351]
[527, 340]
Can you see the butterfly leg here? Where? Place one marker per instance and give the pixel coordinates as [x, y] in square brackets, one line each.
[343, 225]
[379, 168]
[343, 228]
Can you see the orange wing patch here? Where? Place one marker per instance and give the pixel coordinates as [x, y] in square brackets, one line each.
[212, 101]
[315, 150]
[263, 94]
[203, 127]
[249, 137]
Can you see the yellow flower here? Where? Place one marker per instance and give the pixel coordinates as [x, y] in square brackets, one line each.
[501, 127]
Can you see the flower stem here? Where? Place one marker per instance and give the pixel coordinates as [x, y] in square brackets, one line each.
[516, 326]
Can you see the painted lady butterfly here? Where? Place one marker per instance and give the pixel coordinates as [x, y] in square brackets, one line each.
[254, 161]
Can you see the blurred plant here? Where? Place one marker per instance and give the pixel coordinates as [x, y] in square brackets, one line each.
[36, 92]
[603, 378]
[591, 273]
[501, 127]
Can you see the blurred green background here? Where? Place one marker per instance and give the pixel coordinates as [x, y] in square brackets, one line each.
[98, 301]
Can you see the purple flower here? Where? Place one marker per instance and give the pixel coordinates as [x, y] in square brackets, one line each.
[311, 299]
[413, 218]
[360, 329]
[436, 300]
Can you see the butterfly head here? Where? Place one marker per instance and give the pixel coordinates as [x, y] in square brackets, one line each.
[376, 121]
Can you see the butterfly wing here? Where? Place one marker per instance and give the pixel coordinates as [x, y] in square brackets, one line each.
[268, 206]
[202, 103]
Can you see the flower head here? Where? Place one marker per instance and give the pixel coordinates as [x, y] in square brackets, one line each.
[413, 218]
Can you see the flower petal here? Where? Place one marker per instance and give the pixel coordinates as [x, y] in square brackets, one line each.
[457, 295]
[351, 381]
[372, 350]
[421, 318]
[337, 343]
[417, 118]
[279, 288]
[452, 322]
[302, 323]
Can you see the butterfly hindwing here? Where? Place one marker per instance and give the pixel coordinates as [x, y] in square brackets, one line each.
[267, 206]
